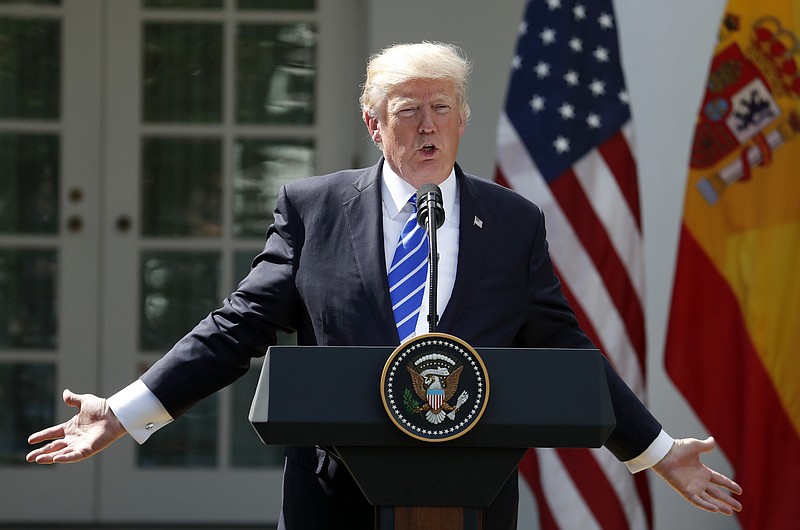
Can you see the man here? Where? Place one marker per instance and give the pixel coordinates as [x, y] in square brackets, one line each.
[323, 275]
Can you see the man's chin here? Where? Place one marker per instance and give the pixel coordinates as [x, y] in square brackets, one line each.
[431, 175]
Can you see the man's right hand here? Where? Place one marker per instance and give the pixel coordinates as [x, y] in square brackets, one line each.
[91, 430]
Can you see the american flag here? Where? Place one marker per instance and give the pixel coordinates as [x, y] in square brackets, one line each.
[565, 142]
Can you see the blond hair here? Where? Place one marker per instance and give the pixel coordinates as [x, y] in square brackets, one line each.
[403, 62]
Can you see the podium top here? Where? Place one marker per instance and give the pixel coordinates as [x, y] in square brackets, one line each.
[331, 396]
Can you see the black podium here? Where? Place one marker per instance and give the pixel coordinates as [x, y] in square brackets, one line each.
[330, 396]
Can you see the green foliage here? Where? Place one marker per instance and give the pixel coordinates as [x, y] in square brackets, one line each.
[409, 402]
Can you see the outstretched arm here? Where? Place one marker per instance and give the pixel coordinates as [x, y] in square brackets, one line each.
[705, 488]
[91, 430]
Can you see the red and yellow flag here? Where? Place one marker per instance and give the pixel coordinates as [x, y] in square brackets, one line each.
[733, 343]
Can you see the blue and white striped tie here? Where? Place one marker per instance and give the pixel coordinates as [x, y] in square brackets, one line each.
[407, 275]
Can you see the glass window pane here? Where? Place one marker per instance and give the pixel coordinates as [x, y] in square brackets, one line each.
[30, 68]
[182, 79]
[27, 399]
[178, 290]
[275, 73]
[295, 5]
[29, 183]
[184, 4]
[246, 447]
[28, 297]
[181, 187]
[191, 441]
[261, 168]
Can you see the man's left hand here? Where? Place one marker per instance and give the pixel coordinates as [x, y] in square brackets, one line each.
[705, 488]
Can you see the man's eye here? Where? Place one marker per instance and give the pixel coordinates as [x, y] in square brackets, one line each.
[442, 108]
[406, 112]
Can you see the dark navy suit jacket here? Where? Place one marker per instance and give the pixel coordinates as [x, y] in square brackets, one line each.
[322, 274]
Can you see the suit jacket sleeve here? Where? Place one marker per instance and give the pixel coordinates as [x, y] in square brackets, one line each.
[218, 350]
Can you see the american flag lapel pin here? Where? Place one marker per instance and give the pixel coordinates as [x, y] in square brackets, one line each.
[477, 222]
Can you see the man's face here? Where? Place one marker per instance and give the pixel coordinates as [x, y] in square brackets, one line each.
[419, 130]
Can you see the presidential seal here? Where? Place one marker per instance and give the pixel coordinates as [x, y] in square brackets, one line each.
[434, 387]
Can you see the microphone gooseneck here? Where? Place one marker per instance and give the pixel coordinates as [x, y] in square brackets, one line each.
[430, 215]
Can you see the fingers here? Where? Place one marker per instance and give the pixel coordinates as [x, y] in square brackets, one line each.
[56, 431]
[60, 451]
[724, 501]
[703, 502]
[709, 502]
[716, 500]
[72, 399]
[51, 433]
[695, 446]
[45, 454]
[66, 457]
[708, 444]
[718, 492]
[37, 457]
[56, 453]
[721, 480]
[718, 479]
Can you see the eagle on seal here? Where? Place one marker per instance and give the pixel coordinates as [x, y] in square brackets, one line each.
[437, 386]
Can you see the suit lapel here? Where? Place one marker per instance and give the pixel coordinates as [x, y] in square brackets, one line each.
[472, 241]
[364, 217]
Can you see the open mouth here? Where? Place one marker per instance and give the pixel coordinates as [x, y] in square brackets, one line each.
[428, 149]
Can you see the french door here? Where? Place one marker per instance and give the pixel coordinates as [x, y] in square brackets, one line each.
[142, 143]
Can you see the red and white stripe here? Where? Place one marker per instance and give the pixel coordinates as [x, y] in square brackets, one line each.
[594, 233]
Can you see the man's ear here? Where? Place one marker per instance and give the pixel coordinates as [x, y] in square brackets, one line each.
[373, 126]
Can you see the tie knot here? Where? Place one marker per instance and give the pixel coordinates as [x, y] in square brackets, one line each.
[413, 202]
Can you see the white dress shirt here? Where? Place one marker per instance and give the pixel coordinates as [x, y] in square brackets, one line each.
[142, 414]
[396, 212]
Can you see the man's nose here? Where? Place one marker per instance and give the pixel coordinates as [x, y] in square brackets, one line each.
[427, 124]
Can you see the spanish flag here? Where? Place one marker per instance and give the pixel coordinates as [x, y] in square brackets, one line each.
[733, 343]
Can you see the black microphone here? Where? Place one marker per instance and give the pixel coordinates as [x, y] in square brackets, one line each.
[429, 199]
[430, 216]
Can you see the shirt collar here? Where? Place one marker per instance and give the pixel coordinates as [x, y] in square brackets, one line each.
[397, 191]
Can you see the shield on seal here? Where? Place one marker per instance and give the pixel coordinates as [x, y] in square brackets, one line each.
[435, 398]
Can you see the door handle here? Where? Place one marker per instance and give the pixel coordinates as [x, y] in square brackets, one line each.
[75, 223]
[123, 223]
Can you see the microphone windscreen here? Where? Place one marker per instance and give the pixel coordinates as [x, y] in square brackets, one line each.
[429, 198]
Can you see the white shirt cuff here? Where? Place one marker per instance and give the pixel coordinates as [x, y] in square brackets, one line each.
[653, 454]
[139, 411]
